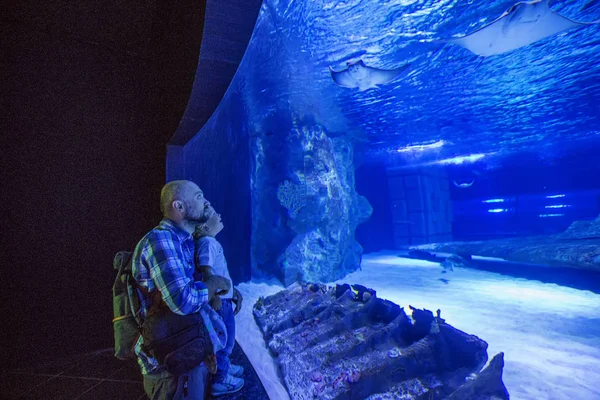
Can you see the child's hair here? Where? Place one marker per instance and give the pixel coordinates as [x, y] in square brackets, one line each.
[201, 230]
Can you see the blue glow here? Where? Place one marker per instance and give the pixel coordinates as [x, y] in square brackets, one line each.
[551, 215]
[422, 147]
[555, 196]
[285, 75]
[462, 160]
[558, 206]
[494, 201]
[497, 210]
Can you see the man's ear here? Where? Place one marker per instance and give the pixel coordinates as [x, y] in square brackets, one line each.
[178, 206]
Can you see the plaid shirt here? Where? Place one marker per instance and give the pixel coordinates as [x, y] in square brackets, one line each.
[164, 260]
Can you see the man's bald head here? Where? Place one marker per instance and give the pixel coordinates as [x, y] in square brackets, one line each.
[178, 191]
[170, 192]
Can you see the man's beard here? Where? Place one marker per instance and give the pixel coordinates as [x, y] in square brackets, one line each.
[195, 217]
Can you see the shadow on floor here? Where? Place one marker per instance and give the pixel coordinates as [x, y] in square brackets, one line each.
[100, 376]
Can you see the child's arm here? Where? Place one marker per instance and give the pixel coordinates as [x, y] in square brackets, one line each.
[204, 257]
[215, 301]
[206, 271]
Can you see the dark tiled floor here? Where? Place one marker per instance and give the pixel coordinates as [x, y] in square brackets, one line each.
[99, 375]
[253, 388]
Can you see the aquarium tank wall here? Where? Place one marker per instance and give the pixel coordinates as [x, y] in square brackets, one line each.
[303, 163]
[370, 158]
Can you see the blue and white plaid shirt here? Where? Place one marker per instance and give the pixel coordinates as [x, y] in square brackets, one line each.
[164, 260]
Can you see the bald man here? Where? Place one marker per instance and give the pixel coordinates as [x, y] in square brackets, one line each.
[164, 260]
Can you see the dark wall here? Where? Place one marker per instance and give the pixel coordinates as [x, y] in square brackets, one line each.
[92, 92]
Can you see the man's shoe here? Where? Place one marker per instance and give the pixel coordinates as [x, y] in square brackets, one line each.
[236, 370]
[230, 384]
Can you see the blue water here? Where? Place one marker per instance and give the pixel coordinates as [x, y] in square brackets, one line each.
[542, 98]
[525, 122]
[523, 127]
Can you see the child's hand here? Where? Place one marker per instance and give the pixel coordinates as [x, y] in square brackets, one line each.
[216, 303]
[237, 300]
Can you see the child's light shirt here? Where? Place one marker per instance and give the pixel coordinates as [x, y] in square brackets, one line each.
[210, 253]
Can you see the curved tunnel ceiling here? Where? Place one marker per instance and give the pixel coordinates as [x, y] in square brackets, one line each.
[228, 26]
[542, 98]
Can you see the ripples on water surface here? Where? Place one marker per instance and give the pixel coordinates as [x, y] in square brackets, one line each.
[538, 98]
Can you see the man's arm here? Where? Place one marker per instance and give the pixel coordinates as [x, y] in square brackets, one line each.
[217, 285]
[166, 263]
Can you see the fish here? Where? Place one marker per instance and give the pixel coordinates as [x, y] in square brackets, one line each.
[453, 260]
[463, 185]
[524, 23]
[421, 255]
[358, 75]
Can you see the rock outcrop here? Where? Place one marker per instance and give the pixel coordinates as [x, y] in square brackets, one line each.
[577, 247]
[305, 207]
[344, 342]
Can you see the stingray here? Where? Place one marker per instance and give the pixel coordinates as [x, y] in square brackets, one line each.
[358, 75]
[463, 185]
[521, 25]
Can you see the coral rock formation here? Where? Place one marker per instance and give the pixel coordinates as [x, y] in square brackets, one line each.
[344, 342]
[305, 206]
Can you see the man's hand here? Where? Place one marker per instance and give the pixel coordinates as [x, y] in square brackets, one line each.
[216, 303]
[217, 284]
[237, 300]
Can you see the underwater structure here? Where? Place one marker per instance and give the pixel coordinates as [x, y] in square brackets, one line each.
[578, 247]
[313, 100]
[442, 133]
[343, 342]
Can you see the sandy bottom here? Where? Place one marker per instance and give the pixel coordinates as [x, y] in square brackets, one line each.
[550, 334]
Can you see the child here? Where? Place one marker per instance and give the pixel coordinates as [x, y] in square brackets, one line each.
[211, 261]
